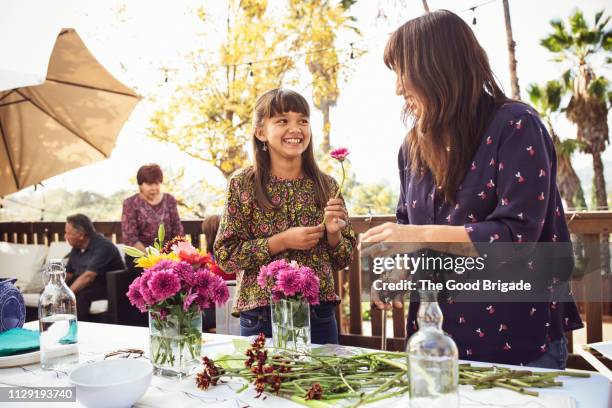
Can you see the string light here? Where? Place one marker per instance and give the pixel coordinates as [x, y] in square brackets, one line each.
[473, 9]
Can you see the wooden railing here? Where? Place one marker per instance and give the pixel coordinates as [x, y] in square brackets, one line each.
[590, 225]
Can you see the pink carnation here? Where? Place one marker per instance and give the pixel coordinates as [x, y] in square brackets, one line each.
[185, 273]
[219, 291]
[135, 296]
[144, 287]
[161, 265]
[309, 285]
[288, 281]
[340, 153]
[203, 278]
[189, 299]
[164, 284]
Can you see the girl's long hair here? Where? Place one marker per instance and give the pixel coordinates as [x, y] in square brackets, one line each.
[268, 105]
[438, 55]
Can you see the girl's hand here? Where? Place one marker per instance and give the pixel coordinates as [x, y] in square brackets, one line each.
[335, 215]
[302, 238]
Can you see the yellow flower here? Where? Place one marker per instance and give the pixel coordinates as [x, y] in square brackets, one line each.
[149, 261]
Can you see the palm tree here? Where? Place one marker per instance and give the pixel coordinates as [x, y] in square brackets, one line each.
[516, 92]
[547, 100]
[591, 97]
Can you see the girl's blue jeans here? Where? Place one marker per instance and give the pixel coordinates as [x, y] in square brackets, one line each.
[323, 325]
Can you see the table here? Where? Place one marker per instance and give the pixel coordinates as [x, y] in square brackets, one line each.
[95, 340]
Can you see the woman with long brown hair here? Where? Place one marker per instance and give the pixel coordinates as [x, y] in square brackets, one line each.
[274, 210]
[475, 167]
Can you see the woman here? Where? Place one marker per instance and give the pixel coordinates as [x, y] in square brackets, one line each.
[145, 211]
[475, 168]
[275, 210]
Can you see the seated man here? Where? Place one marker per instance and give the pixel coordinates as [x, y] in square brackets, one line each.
[92, 255]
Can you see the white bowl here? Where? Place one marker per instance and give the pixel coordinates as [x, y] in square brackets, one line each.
[112, 383]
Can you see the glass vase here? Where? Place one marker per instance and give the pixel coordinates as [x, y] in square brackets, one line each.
[175, 342]
[291, 325]
[432, 359]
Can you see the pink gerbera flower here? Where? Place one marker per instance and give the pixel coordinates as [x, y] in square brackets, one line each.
[340, 153]
[164, 284]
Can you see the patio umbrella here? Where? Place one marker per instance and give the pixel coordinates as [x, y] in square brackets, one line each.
[72, 119]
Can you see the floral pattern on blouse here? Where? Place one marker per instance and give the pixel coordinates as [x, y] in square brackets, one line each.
[241, 246]
[140, 220]
[509, 194]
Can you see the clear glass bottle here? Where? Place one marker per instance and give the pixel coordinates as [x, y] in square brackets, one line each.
[433, 359]
[57, 319]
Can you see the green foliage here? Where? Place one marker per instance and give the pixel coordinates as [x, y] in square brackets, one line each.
[546, 99]
[580, 40]
[373, 199]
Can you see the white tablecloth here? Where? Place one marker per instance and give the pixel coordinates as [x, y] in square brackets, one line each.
[95, 340]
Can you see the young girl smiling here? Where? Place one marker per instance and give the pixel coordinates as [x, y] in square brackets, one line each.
[275, 209]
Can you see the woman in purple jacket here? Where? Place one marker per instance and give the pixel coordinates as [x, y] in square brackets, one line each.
[476, 167]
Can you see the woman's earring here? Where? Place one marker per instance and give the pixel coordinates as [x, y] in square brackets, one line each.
[264, 147]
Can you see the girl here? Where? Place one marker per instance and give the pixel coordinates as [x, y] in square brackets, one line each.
[476, 167]
[275, 208]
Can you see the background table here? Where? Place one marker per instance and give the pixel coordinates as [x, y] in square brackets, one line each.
[95, 340]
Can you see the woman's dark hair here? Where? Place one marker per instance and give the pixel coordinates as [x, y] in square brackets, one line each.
[210, 226]
[149, 173]
[272, 103]
[82, 223]
[439, 56]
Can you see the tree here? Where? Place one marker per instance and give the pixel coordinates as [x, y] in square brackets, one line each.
[591, 95]
[209, 117]
[516, 92]
[317, 24]
[547, 100]
[426, 6]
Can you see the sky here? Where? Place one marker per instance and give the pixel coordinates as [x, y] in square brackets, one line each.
[134, 38]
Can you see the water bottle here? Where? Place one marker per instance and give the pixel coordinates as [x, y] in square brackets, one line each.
[57, 318]
[433, 359]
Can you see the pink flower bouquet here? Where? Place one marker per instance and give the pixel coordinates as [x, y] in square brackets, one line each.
[293, 289]
[289, 281]
[178, 282]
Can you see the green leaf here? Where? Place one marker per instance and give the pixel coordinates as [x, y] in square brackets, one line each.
[577, 22]
[599, 87]
[241, 345]
[598, 16]
[230, 361]
[161, 233]
[133, 252]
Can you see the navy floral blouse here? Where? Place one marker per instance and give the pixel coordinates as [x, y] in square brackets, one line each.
[509, 194]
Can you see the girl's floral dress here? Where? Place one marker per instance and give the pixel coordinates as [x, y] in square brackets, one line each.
[241, 246]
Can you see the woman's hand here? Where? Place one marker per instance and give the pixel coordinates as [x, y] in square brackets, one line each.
[335, 215]
[302, 238]
[392, 232]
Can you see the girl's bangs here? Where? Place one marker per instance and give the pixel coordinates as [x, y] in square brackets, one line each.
[288, 101]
